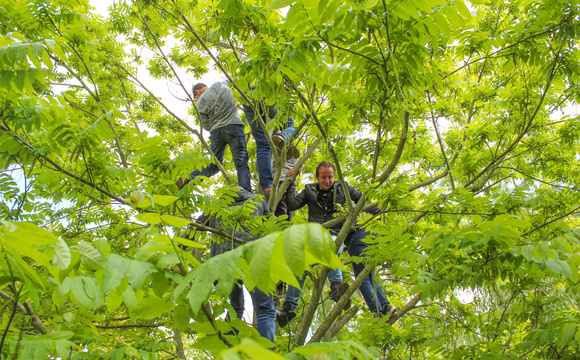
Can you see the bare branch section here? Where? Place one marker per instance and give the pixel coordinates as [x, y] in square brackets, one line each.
[395, 160]
[26, 309]
[339, 323]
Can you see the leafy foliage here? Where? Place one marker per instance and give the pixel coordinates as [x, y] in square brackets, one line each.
[457, 118]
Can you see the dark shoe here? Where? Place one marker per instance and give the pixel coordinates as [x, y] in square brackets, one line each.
[388, 310]
[267, 192]
[283, 317]
[337, 288]
[280, 142]
[181, 183]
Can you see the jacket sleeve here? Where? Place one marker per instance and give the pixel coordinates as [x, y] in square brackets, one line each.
[294, 201]
[356, 195]
[205, 106]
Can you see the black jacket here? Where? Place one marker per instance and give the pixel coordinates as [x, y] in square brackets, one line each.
[235, 226]
[322, 208]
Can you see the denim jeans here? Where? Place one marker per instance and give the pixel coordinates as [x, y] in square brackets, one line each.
[263, 306]
[293, 294]
[370, 289]
[263, 150]
[232, 135]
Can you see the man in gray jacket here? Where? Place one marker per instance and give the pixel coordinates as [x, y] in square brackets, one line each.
[219, 116]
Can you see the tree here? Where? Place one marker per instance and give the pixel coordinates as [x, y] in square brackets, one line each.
[456, 118]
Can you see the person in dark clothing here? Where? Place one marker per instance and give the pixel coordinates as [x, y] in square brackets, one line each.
[322, 199]
[263, 303]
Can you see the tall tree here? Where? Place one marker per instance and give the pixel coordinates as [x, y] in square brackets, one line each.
[457, 119]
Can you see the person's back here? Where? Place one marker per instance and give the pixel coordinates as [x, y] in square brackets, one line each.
[219, 116]
[218, 107]
[236, 228]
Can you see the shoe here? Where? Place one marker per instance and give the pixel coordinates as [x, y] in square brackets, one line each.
[267, 192]
[388, 309]
[283, 317]
[181, 183]
[337, 288]
[280, 142]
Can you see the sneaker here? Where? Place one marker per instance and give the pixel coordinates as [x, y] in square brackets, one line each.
[267, 192]
[388, 309]
[280, 142]
[337, 288]
[283, 317]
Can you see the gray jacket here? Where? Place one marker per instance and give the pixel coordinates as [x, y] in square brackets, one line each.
[218, 108]
[235, 227]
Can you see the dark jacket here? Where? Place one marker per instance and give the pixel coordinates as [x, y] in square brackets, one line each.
[234, 226]
[322, 208]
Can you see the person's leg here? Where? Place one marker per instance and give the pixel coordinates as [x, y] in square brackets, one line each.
[287, 132]
[370, 289]
[293, 294]
[235, 137]
[218, 147]
[263, 150]
[335, 275]
[288, 313]
[237, 299]
[265, 313]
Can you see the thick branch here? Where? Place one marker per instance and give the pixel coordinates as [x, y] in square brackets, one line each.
[26, 309]
[339, 323]
[397, 156]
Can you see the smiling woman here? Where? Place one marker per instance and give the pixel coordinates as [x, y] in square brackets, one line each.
[492, 207]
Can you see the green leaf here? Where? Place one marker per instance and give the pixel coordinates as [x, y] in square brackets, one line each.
[91, 257]
[62, 256]
[28, 234]
[278, 4]
[260, 264]
[115, 270]
[181, 317]
[164, 200]
[175, 221]
[566, 269]
[528, 252]
[187, 242]
[137, 273]
[149, 218]
[294, 240]
[543, 250]
[58, 335]
[114, 300]
[567, 334]
[150, 308]
[554, 266]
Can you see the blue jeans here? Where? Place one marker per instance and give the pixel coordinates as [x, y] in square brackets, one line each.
[263, 150]
[370, 289]
[263, 306]
[293, 294]
[232, 135]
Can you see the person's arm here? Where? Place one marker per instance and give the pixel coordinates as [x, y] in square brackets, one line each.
[355, 195]
[205, 105]
[294, 201]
